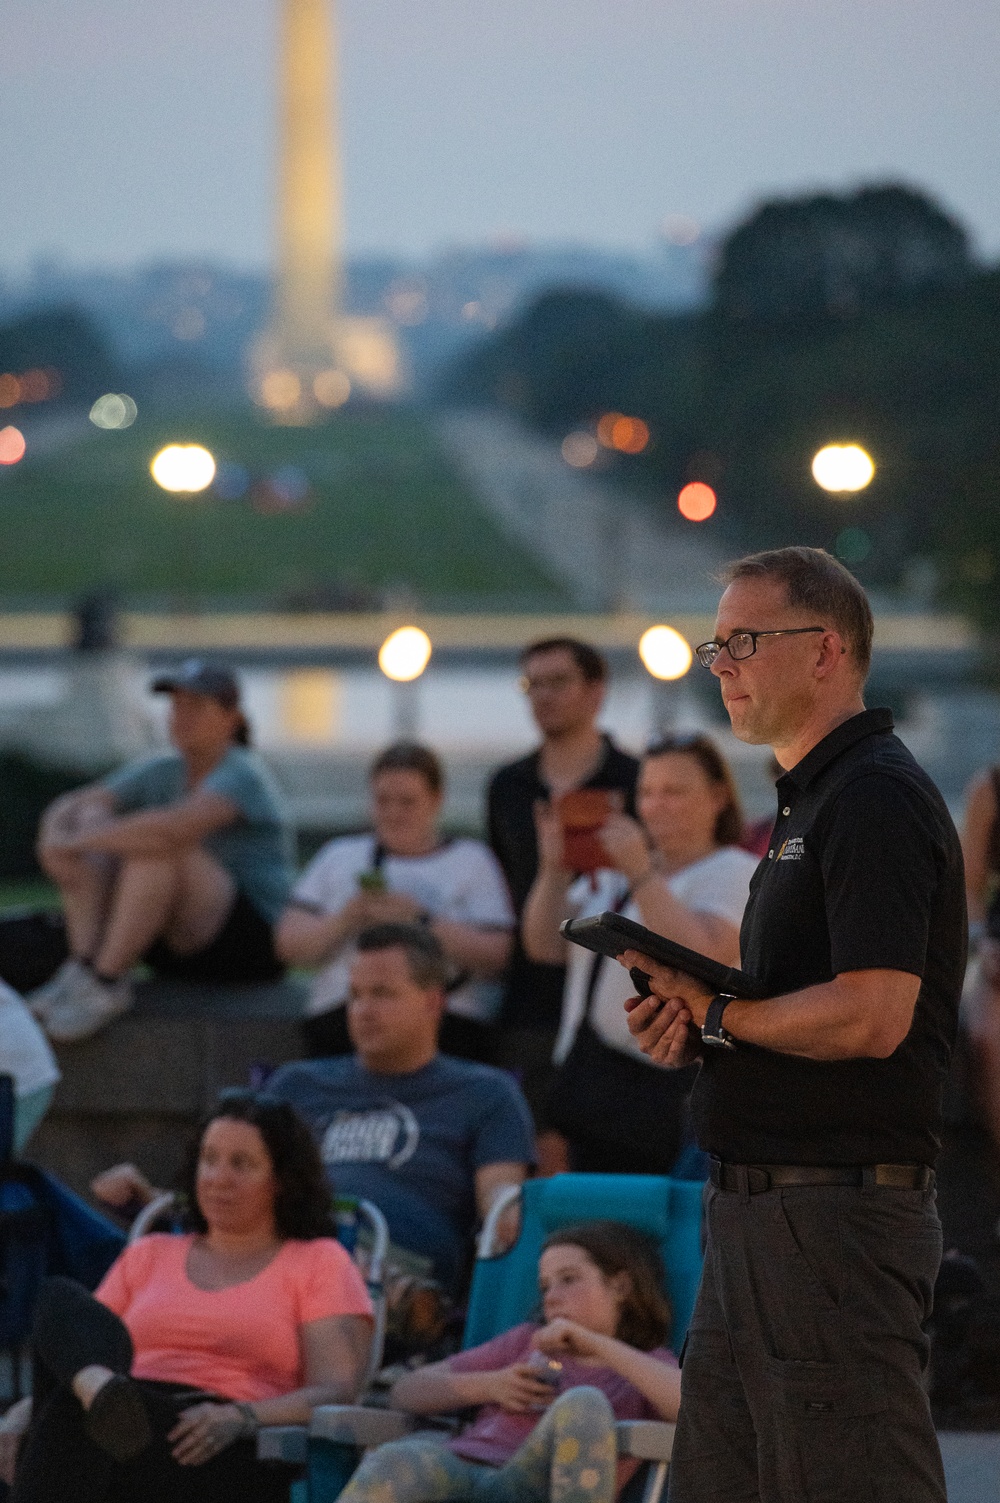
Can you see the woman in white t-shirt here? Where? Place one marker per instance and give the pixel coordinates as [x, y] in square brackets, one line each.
[402, 872]
[679, 872]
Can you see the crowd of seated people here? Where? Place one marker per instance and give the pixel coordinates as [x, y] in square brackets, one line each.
[412, 1094]
[430, 1139]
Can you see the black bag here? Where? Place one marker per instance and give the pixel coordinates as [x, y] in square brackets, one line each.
[601, 1095]
[32, 947]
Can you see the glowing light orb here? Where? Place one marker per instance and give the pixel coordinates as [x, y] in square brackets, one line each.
[579, 449]
[664, 652]
[843, 467]
[280, 391]
[331, 388]
[113, 410]
[629, 435]
[10, 390]
[183, 469]
[696, 501]
[12, 445]
[405, 654]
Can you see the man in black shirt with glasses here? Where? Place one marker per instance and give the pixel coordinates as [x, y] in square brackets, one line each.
[821, 1104]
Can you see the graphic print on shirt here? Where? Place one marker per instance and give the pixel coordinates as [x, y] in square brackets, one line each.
[792, 849]
[387, 1135]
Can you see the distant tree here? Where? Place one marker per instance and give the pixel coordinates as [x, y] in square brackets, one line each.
[835, 257]
[63, 339]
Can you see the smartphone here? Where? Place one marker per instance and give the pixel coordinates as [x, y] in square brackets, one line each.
[373, 881]
[582, 812]
[611, 934]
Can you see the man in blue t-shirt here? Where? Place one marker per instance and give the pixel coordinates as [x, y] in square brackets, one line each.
[430, 1139]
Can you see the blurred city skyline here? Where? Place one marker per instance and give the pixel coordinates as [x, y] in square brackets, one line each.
[138, 132]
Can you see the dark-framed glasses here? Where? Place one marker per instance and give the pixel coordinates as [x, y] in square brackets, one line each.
[743, 644]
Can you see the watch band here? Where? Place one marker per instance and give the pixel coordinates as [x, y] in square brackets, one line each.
[712, 1031]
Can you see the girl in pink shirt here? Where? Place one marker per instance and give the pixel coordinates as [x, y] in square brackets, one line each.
[155, 1388]
[600, 1350]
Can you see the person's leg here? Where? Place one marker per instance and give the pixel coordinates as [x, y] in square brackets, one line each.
[184, 899]
[420, 1470]
[85, 885]
[715, 1447]
[824, 1291]
[569, 1457]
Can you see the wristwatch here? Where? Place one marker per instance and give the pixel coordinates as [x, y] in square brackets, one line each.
[712, 1031]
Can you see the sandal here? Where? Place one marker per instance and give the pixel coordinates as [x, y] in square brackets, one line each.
[117, 1420]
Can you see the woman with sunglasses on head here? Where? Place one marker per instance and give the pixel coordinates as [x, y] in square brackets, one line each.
[154, 1388]
[678, 870]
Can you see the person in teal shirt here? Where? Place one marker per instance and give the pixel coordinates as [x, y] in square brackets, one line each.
[181, 859]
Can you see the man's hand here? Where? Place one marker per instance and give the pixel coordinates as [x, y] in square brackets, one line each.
[518, 1389]
[390, 908]
[664, 1024]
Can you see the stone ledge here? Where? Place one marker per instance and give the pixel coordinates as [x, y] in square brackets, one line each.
[136, 1090]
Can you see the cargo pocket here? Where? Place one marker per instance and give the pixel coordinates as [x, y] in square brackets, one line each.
[824, 1442]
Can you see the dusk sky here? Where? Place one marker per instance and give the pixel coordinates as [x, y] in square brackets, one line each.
[135, 130]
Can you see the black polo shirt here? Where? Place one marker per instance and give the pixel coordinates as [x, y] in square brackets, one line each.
[864, 872]
[533, 991]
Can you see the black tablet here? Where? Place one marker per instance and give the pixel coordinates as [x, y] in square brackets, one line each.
[611, 934]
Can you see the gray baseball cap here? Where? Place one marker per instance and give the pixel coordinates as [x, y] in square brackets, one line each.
[198, 677]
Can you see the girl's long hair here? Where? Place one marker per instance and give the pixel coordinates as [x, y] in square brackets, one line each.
[644, 1318]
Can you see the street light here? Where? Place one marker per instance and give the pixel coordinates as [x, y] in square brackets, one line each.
[844, 468]
[664, 652]
[666, 656]
[183, 469]
[403, 657]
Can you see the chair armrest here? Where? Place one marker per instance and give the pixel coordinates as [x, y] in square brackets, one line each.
[354, 1425]
[288, 1443]
[647, 1440]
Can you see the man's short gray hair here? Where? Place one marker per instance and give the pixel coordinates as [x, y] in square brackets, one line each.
[816, 581]
[425, 958]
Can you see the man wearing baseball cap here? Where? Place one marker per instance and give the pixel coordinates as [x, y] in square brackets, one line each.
[180, 859]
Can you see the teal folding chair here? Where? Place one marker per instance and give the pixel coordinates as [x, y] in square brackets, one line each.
[504, 1293]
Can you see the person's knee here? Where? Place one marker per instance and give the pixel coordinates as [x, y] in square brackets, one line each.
[583, 1408]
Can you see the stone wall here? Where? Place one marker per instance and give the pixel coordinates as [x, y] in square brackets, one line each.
[137, 1089]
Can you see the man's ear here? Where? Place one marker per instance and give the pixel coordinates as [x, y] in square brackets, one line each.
[832, 651]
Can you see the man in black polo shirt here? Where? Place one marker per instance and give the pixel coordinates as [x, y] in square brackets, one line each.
[565, 681]
[821, 1104]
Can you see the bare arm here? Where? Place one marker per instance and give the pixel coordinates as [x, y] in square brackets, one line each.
[546, 904]
[160, 832]
[436, 1389]
[306, 938]
[857, 1015]
[980, 815]
[73, 813]
[628, 851]
[657, 1381]
[474, 947]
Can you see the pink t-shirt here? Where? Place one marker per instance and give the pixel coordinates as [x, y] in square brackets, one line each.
[495, 1434]
[241, 1342]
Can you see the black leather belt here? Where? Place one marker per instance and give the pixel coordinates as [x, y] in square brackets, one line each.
[762, 1177]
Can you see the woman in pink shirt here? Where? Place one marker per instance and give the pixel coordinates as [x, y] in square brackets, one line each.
[154, 1388]
[547, 1394]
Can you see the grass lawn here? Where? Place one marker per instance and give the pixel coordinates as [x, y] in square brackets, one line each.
[387, 511]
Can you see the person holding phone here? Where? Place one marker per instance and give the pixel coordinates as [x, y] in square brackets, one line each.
[565, 682]
[404, 871]
[679, 871]
[820, 1103]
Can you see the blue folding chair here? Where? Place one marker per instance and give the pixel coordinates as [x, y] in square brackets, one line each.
[504, 1293]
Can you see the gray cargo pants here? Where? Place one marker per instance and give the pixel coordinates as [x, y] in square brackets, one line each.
[803, 1367]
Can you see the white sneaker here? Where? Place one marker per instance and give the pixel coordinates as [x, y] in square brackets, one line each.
[55, 989]
[87, 1006]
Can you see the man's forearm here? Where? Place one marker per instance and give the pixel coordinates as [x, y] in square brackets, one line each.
[839, 1019]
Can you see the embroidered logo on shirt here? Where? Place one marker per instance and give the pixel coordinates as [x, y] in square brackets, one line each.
[388, 1135]
[792, 849]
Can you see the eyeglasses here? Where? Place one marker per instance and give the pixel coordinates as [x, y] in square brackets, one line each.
[743, 644]
[553, 683]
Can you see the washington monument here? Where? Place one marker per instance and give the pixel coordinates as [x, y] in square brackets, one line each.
[310, 354]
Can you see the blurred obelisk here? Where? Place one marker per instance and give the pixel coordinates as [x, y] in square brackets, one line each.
[310, 355]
